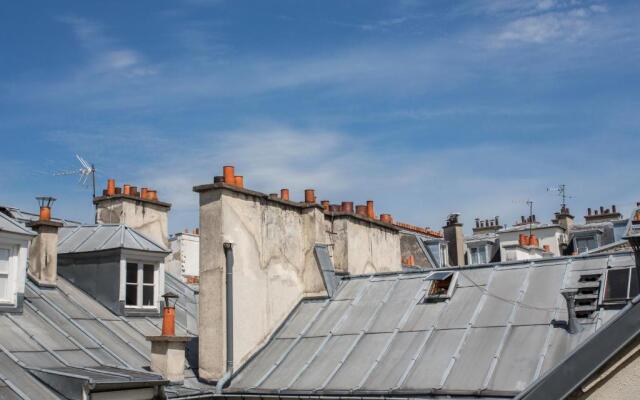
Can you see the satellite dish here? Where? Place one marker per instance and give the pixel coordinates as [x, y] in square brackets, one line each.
[85, 171]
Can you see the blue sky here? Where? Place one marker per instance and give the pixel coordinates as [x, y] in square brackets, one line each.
[426, 107]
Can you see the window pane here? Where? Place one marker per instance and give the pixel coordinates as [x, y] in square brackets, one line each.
[585, 244]
[132, 295]
[617, 281]
[148, 273]
[132, 273]
[4, 287]
[147, 296]
[634, 283]
[482, 255]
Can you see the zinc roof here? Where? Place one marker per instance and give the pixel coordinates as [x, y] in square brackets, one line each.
[8, 224]
[492, 337]
[89, 238]
[63, 329]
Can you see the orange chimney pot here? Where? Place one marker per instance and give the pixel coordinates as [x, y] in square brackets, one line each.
[370, 213]
[284, 194]
[229, 175]
[386, 218]
[309, 196]
[126, 189]
[111, 187]
[347, 207]
[238, 180]
[45, 213]
[325, 204]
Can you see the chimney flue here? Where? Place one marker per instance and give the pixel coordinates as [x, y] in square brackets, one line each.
[228, 172]
[238, 180]
[111, 187]
[284, 194]
[347, 207]
[573, 325]
[370, 212]
[309, 196]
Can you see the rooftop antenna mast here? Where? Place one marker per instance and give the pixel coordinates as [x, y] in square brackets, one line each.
[529, 203]
[85, 171]
[562, 192]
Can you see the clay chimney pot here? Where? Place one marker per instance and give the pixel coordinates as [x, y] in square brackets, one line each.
[111, 187]
[229, 175]
[284, 194]
[238, 180]
[347, 207]
[309, 196]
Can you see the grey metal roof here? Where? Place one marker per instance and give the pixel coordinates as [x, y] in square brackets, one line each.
[27, 216]
[494, 336]
[63, 328]
[8, 224]
[89, 238]
[589, 357]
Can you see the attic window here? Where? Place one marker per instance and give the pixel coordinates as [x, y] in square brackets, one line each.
[6, 260]
[441, 288]
[621, 284]
[141, 285]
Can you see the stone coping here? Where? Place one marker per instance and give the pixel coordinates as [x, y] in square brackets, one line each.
[129, 197]
[161, 338]
[295, 204]
[38, 223]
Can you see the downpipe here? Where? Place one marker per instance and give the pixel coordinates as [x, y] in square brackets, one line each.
[228, 254]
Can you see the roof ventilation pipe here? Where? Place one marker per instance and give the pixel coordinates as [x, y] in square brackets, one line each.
[573, 325]
[228, 254]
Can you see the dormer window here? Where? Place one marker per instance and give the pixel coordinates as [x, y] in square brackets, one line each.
[7, 260]
[442, 286]
[478, 255]
[141, 285]
[621, 285]
[586, 243]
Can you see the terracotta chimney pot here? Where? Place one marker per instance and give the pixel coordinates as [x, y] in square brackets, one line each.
[45, 213]
[309, 196]
[546, 248]
[325, 204]
[239, 181]
[126, 189]
[284, 194]
[229, 175]
[533, 241]
[523, 240]
[347, 207]
[111, 187]
[361, 210]
[143, 192]
[386, 218]
[370, 212]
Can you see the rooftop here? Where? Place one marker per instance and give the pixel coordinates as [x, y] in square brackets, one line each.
[498, 332]
[89, 238]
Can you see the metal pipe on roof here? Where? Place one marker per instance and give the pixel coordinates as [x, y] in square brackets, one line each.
[228, 254]
[573, 325]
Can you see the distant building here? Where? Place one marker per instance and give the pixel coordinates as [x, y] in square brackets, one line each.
[184, 260]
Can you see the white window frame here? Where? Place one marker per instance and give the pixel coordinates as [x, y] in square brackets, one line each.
[140, 284]
[11, 273]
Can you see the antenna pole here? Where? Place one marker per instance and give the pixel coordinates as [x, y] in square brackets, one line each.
[530, 203]
[93, 178]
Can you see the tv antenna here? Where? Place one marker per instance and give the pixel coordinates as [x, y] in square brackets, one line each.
[562, 192]
[85, 171]
[529, 203]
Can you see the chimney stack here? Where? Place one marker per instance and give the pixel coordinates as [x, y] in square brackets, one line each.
[454, 236]
[168, 350]
[43, 251]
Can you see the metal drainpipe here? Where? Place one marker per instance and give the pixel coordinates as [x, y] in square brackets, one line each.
[228, 254]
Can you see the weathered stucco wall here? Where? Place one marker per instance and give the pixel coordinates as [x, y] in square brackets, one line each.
[43, 255]
[274, 268]
[146, 217]
[362, 247]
